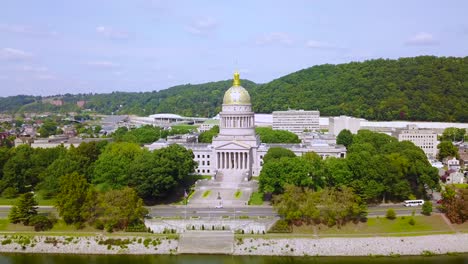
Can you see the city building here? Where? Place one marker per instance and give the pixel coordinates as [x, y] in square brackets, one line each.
[455, 178]
[424, 138]
[296, 121]
[236, 153]
[208, 124]
[453, 164]
[338, 123]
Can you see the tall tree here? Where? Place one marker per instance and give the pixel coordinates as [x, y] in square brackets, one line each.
[24, 209]
[113, 166]
[345, 137]
[447, 149]
[71, 197]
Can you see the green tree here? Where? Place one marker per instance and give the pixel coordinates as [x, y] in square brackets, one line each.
[447, 149]
[24, 209]
[207, 136]
[155, 174]
[276, 174]
[345, 137]
[113, 166]
[453, 134]
[71, 197]
[427, 208]
[277, 153]
[390, 214]
[329, 206]
[119, 209]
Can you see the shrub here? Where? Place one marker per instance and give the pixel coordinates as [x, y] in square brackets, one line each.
[390, 214]
[10, 193]
[6, 241]
[41, 223]
[427, 208]
[412, 221]
[281, 226]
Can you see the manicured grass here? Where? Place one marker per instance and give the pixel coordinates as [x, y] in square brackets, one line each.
[206, 193]
[238, 194]
[40, 200]
[256, 198]
[461, 227]
[461, 185]
[184, 127]
[381, 226]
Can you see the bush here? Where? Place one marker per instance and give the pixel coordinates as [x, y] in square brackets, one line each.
[390, 214]
[412, 221]
[10, 193]
[41, 223]
[281, 226]
[427, 208]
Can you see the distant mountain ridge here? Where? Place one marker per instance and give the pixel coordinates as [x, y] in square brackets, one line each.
[424, 88]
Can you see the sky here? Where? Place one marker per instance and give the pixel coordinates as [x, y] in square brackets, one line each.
[51, 47]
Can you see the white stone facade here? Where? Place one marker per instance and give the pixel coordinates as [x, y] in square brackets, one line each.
[423, 138]
[236, 153]
[338, 123]
[296, 121]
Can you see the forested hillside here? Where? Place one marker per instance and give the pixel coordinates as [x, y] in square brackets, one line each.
[421, 88]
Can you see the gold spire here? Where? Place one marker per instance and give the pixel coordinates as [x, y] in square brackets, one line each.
[236, 81]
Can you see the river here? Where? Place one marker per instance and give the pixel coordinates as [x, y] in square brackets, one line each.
[215, 259]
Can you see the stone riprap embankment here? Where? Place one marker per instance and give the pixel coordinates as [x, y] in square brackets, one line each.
[385, 246]
[88, 244]
[416, 245]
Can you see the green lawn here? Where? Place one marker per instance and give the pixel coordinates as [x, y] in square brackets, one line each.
[461, 185]
[461, 227]
[40, 200]
[256, 198]
[184, 127]
[382, 226]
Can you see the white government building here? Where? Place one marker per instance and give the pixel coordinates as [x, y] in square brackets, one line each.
[236, 153]
[296, 121]
[426, 139]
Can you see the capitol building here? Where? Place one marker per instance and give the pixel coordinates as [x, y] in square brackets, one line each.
[236, 153]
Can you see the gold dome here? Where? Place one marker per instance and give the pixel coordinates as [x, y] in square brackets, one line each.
[236, 95]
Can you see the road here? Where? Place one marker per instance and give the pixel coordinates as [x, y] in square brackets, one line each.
[251, 211]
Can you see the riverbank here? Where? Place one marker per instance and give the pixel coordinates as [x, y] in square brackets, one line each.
[366, 246]
[98, 244]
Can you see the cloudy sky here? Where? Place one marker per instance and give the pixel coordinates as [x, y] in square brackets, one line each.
[54, 46]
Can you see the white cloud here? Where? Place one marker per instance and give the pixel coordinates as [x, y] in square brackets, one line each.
[102, 64]
[14, 54]
[203, 26]
[111, 33]
[314, 44]
[421, 39]
[26, 30]
[275, 38]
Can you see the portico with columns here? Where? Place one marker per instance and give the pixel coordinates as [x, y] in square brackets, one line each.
[236, 140]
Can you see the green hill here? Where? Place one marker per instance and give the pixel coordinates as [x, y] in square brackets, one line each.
[420, 88]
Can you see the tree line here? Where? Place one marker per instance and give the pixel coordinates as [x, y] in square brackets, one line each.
[419, 88]
[377, 169]
[106, 166]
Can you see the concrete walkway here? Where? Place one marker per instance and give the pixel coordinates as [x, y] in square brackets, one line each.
[206, 242]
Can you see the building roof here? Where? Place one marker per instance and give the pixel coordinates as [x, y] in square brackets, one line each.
[166, 115]
[236, 95]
